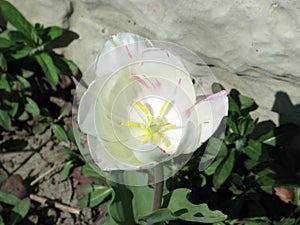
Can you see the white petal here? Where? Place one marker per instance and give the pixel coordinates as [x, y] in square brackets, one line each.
[190, 139]
[210, 112]
[112, 156]
[120, 50]
[151, 154]
[86, 110]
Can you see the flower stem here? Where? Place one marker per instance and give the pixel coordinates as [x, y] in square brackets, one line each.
[158, 188]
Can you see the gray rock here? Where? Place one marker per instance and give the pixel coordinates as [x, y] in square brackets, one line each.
[253, 45]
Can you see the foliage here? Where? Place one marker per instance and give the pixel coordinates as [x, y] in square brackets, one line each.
[35, 81]
[35, 89]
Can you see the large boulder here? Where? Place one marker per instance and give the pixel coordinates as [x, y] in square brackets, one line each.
[253, 46]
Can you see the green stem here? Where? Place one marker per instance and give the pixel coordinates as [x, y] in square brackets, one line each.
[158, 188]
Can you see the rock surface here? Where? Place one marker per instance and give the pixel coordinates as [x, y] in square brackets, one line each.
[252, 45]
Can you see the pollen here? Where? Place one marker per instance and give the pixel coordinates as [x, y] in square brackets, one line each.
[154, 128]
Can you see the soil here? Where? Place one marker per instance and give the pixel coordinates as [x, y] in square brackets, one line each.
[32, 166]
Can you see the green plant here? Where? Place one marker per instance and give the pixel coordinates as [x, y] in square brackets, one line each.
[35, 81]
[254, 158]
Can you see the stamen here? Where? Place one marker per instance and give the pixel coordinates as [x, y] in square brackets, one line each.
[142, 107]
[170, 126]
[162, 109]
[131, 124]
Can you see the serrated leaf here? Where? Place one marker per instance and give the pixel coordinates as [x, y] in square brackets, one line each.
[64, 174]
[48, 67]
[224, 170]
[5, 121]
[19, 211]
[95, 197]
[180, 206]
[159, 215]
[8, 198]
[59, 132]
[32, 107]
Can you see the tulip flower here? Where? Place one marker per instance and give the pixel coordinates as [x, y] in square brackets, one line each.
[141, 108]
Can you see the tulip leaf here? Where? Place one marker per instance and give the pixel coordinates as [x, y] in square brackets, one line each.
[95, 196]
[120, 208]
[142, 194]
[181, 208]
[224, 170]
[48, 67]
[59, 132]
[19, 211]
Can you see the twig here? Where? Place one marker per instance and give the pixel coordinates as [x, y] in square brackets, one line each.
[56, 204]
[44, 174]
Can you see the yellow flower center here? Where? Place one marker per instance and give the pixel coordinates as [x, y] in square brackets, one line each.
[154, 128]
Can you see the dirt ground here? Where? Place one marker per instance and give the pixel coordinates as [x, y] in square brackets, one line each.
[52, 201]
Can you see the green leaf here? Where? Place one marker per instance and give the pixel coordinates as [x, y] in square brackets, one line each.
[8, 198]
[232, 121]
[246, 102]
[3, 62]
[5, 43]
[89, 171]
[245, 126]
[48, 67]
[217, 87]
[255, 150]
[32, 107]
[4, 83]
[24, 82]
[1, 221]
[22, 53]
[120, 208]
[224, 170]
[159, 215]
[19, 211]
[59, 132]
[19, 36]
[16, 18]
[142, 194]
[52, 32]
[64, 174]
[180, 206]
[95, 197]
[5, 121]
[65, 110]
[280, 135]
